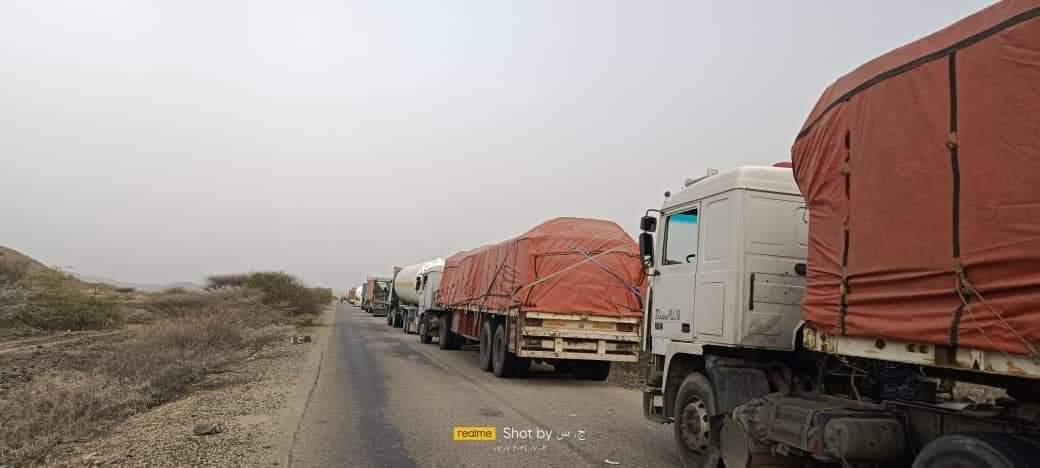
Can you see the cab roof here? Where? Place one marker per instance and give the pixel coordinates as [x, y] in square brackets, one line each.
[760, 178]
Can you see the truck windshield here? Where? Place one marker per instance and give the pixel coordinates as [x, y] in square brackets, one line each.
[681, 238]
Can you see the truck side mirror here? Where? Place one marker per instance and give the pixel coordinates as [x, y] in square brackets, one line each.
[648, 224]
[646, 248]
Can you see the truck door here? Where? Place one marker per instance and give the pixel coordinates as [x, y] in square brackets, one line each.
[674, 285]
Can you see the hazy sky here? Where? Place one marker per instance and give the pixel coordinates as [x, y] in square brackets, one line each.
[162, 141]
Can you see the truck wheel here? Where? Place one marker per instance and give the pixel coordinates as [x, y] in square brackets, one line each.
[486, 339]
[694, 406]
[443, 335]
[592, 370]
[503, 360]
[424, 331]
[980, 450]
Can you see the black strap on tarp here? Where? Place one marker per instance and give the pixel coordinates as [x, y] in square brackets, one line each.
[955, 168]
[843, 306]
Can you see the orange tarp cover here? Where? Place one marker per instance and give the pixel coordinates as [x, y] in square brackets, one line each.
[921, 170]
[564, 265]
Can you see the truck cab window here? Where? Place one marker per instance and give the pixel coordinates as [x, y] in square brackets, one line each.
[681, 238]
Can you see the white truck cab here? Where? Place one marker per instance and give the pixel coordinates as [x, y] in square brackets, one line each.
[726, 262]
[730, 263]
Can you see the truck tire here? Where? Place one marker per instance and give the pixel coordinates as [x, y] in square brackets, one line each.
[444, 338]
[486, 339]
[457, 341]
[980, 450]
[502, 359]
[694, 406]
[592, 370]
[424, 331]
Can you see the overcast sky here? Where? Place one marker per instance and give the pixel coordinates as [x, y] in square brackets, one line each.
[157, 141]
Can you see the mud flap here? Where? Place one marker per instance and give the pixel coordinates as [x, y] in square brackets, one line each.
[735, 381]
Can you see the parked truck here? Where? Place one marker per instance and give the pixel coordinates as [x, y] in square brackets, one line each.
[358, 295]
[411, 296]
[566, 293]
[376, 296]
[831, 312]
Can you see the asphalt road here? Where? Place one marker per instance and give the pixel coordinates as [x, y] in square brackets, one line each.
[382, 399]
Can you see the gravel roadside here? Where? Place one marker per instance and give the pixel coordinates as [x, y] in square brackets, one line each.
[255, 405]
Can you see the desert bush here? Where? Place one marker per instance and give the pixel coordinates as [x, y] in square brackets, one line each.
[150, 367]
[323, 295]
[231, 280]
[61, 406]
[176, 303]
[281, 288]
[124, 290]
[304, 320]
[138, 316]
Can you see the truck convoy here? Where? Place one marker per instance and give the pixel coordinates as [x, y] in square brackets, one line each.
[412, 294]
[349, 296]
[823, 314]
[567, 293]
[376, 296]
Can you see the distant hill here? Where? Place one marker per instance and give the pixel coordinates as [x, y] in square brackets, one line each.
[15, 260]
[10, 258]
[143, 287]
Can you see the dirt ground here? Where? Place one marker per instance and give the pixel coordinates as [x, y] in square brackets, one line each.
[257, 404]
[22, 358]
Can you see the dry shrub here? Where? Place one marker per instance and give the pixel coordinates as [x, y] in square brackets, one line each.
[197, 334]
[177, 303]
[61, 406]
[283, 289]
[227, 281]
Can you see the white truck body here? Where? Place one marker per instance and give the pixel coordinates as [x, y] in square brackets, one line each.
[744, 380]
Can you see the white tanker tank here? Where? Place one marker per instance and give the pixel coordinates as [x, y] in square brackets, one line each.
[409, 291]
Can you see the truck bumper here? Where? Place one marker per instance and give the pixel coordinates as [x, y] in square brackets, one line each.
[571, 337]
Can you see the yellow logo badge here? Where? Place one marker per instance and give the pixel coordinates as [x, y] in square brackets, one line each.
[473, 433]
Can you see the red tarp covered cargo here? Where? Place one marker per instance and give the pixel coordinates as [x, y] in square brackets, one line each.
[930, 155]
[564, 265]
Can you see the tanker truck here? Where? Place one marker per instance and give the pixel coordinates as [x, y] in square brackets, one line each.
[836, 312]
[413, 289]
[566, 293]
